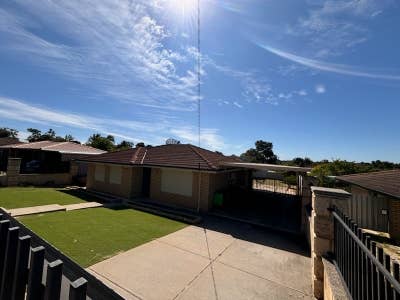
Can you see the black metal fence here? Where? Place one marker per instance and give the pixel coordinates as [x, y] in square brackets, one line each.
[275, 186]
[24, 257]
[369, 273]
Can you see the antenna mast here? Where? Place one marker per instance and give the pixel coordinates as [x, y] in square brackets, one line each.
[198, 71]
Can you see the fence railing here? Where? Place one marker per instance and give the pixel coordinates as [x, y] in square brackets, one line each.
[368, 272]
[275, 186]
[24, 257]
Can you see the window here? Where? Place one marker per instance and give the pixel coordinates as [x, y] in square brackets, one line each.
[99, 173]
[115, 175]
[177, 182]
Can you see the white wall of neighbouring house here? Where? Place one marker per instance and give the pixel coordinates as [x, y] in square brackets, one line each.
[115, 174]
[177, 182]
[100, 173]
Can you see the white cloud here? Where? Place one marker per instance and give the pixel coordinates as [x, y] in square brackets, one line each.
[210, 138]
[153, 132]
[329, 67]
[332, 27]
[116, 48]
[237, 104]
[320, 89]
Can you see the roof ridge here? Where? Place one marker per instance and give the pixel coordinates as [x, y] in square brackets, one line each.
[135, 156]
[201, 156]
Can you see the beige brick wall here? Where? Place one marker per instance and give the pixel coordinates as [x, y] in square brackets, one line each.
[126, 189]
[394, 219]
[209, 183]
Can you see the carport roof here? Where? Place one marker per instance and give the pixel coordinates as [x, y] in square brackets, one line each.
[266, 167]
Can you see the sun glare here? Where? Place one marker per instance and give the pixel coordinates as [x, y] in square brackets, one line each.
[183, 9]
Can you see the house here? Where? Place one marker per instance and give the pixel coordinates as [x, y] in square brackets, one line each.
[375, 202]
[8, 141]
[179, 174]
[43, 162]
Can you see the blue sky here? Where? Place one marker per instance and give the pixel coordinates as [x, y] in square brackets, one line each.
[318, 78]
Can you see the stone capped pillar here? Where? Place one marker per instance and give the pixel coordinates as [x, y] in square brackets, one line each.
[13, 169]
[321, 230]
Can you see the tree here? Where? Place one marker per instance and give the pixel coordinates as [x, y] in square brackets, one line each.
[101, 142]
[172, 141]
[69, 138]
[263, 153]
[141, 144]
[302, 162]
[35, 135]
[6, 132]
[124, 145]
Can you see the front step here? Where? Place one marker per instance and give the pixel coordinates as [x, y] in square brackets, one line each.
[105, 197]
[164, 211]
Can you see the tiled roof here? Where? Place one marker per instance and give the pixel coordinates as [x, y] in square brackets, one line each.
[178, 156]
[8, 141]
[62, 147]
[385, 182]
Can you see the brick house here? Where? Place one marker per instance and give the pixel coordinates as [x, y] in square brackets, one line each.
[182, 175]
[375, 200]
[44, 162]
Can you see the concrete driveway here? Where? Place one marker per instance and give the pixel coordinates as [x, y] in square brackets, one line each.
[221, 260]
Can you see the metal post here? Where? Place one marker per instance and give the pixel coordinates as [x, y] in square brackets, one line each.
[9, 266]
[21, 268]
[35, 286]
[77, 289]
[53, 280]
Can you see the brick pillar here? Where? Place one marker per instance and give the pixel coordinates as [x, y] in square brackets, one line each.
[13, 167]
[394, 219]
[305, 200]
[321, 230]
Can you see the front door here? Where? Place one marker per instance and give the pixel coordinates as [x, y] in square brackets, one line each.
[146, 182]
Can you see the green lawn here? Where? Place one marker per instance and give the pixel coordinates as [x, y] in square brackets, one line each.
[16, 197]
[92, 235]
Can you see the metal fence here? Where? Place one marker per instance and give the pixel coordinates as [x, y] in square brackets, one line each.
[368, 272]
[23, 258]
[275, 186]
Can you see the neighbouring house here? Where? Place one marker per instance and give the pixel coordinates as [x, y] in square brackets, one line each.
[375, 202]
[182, 175]
[9, 141]
[44, 162]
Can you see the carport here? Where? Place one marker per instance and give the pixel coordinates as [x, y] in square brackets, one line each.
[275, 196]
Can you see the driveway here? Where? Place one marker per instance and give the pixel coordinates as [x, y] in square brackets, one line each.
[218, 260]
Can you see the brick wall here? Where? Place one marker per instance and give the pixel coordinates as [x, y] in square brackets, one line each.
[394, 219]
[124, 189]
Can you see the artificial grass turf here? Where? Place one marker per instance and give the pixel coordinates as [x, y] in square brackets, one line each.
[17, 197]
[91, 235]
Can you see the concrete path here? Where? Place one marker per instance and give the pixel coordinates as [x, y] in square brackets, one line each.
[222, 260]
[17, 212]
[82, 205]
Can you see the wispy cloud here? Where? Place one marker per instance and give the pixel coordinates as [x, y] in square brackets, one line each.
[332, 27]
[116, 48]
[329, 67]
[154, 132]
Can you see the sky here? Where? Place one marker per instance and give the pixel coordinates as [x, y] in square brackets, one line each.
[317, 78]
